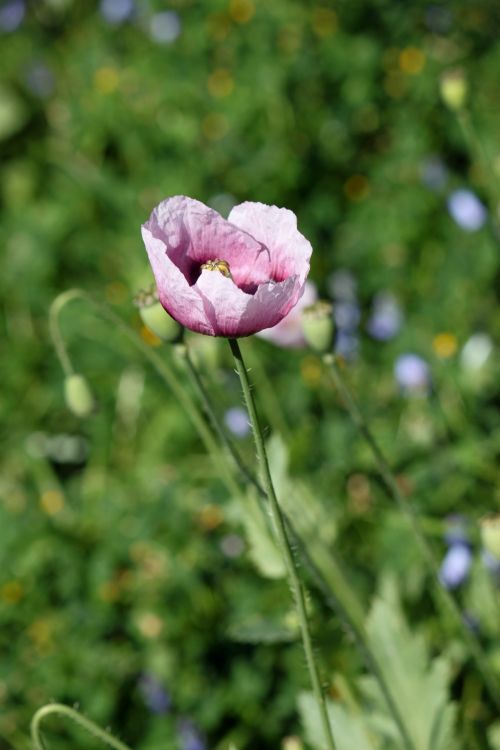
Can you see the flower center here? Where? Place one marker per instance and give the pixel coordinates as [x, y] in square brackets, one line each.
[217, 265]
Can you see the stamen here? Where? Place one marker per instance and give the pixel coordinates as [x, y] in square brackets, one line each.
[217, 265]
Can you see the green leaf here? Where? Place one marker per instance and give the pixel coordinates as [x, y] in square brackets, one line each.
[263, 549]
[350, 732]
[494, 736]
[419, 685]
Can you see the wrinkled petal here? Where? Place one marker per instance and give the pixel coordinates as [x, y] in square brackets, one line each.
[180, 300]
[277, 229]
[194, 233]
[231, 312]
[267, 278]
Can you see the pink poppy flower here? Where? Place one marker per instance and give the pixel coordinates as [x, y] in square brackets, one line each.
[288, 332]
[226, 278]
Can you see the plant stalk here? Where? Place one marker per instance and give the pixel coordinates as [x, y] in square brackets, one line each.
[280, 528]
[61, 710]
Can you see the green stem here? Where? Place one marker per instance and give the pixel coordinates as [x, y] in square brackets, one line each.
[324, 571]
[280, 527]
[55, 330]
[442, 595]
[62, 710]
[166, 374]
[328, 579]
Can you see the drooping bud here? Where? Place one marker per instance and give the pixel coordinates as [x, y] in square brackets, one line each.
[453, 87]
[318, 327]
[155, 317]
[78, 396]
[490, 534]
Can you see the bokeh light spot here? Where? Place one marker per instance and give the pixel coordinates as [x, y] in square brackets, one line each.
[11, 592]
[215, 126]
[324, 21]
[412, 61]
[220, 83]
[241, 11]
[357, 187]
[445, 345]
[106, 80]
[51, 502]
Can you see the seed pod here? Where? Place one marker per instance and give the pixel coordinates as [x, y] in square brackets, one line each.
[78, 396]
[156, 318]
[318, 326]
[453, 88]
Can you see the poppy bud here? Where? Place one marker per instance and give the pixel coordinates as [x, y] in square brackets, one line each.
[78, 396]
[490, 534]
[318, 326]
[453, 89]
[155, 317]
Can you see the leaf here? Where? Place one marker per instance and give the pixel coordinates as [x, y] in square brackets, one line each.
[350, 731]
[419, 685]
[263, 549]
[494, 736]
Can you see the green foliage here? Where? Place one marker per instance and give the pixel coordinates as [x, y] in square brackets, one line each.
[122, 552]
[419, 685]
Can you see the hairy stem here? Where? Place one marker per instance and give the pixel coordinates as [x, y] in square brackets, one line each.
[61, 710]
[324, 571]
[280, 528]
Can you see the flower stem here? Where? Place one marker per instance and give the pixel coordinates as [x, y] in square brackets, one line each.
[280, 527]
[62, 710]
[324, 571]
[442, 595]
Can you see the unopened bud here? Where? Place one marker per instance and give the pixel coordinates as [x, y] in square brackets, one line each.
[318, 327]
[78, 396]
[205, 351]
[155, 317]
[490, 534]
[453, 89]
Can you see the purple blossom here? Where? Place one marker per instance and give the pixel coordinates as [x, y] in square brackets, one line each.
[342, 285]
[237, 421]
[116, 12]
[347, 315]
[165, 27]
[232, 545]
[412, 372]
[434, 173]
[455, 566]
[11, 14]
[346, 344]
[155, 697]
[386, 318]
[467, 210]
[189, 736]
[40, 80]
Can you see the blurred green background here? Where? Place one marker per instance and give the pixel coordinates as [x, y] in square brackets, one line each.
[129, 580]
